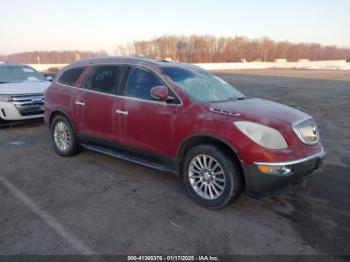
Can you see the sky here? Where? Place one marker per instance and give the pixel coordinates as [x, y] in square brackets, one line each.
[27, 25]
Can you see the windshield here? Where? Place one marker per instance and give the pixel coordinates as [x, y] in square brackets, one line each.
[14, 74]
[202, 86]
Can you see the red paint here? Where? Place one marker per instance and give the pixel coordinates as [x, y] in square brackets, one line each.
[161, 128]
[160, 92]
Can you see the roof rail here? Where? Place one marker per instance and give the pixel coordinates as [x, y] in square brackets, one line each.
[166, 60]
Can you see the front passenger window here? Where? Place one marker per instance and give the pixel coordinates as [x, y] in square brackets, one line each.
[105, 79]
[140, 82]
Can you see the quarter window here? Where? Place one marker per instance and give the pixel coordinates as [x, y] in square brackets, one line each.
[71, 76]
[105, 79]
[140, 82]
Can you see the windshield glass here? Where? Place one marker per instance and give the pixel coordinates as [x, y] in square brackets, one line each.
[13, 74]
[202, 86]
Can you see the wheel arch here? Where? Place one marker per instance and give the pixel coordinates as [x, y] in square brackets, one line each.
[201, 139]
[55, 113]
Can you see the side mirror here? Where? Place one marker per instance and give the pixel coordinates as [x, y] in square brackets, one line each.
[49, 78]
[160, 92]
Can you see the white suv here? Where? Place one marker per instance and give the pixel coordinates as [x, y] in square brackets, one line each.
[21, 92]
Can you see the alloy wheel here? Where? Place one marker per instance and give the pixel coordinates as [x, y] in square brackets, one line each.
[62, 136]
[207, 177]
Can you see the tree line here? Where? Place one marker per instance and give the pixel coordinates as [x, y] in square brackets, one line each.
[197, 49]
[50, 57]
[202, 49]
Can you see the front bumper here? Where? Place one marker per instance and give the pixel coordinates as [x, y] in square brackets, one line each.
[9, 111]
[260, 184]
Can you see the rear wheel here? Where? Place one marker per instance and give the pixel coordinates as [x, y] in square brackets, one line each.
[63, 137]
[211, 176]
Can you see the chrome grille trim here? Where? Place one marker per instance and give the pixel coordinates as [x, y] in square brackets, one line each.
[33, 99]
[321, 154]
[29, 104]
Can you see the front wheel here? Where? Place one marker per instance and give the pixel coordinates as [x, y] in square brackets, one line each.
[2, 122]
[63, 137]
[211, 176]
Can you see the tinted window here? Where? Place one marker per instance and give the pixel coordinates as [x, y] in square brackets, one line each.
[105, 79]
[140, 82]
[71, 76]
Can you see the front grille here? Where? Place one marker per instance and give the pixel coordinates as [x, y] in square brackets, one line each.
[307, 132]
[27, 105]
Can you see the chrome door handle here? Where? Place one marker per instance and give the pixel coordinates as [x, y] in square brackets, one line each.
[80, 103]
[122, 112]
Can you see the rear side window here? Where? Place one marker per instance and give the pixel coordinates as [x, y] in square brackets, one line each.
[71, 76]
[105, 79]
[140, 82]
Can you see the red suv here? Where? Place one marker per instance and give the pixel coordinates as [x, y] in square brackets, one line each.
[176, 117]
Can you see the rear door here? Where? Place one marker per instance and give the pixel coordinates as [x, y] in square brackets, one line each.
[100, 123]
[146, 123]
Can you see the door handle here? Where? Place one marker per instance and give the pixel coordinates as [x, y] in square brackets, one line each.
[122, 112]
[80, 103]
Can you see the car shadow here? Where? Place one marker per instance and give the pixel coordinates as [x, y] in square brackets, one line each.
[21, 123]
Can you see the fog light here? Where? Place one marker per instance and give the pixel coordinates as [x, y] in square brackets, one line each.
[275, 170]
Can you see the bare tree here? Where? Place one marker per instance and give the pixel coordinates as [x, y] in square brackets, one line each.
[51, 57]
[208, 48]
[197, 49]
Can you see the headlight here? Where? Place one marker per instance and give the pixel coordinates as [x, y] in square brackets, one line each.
[5, 98]
[307, 131]
[263, 135]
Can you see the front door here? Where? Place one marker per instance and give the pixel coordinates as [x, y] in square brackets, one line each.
[147, 124]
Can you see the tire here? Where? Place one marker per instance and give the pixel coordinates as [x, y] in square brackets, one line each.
[63, 138]
[2, 122]
[224, 180]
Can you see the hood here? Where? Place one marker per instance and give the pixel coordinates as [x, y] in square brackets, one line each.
[260, 111]
[23, 88]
